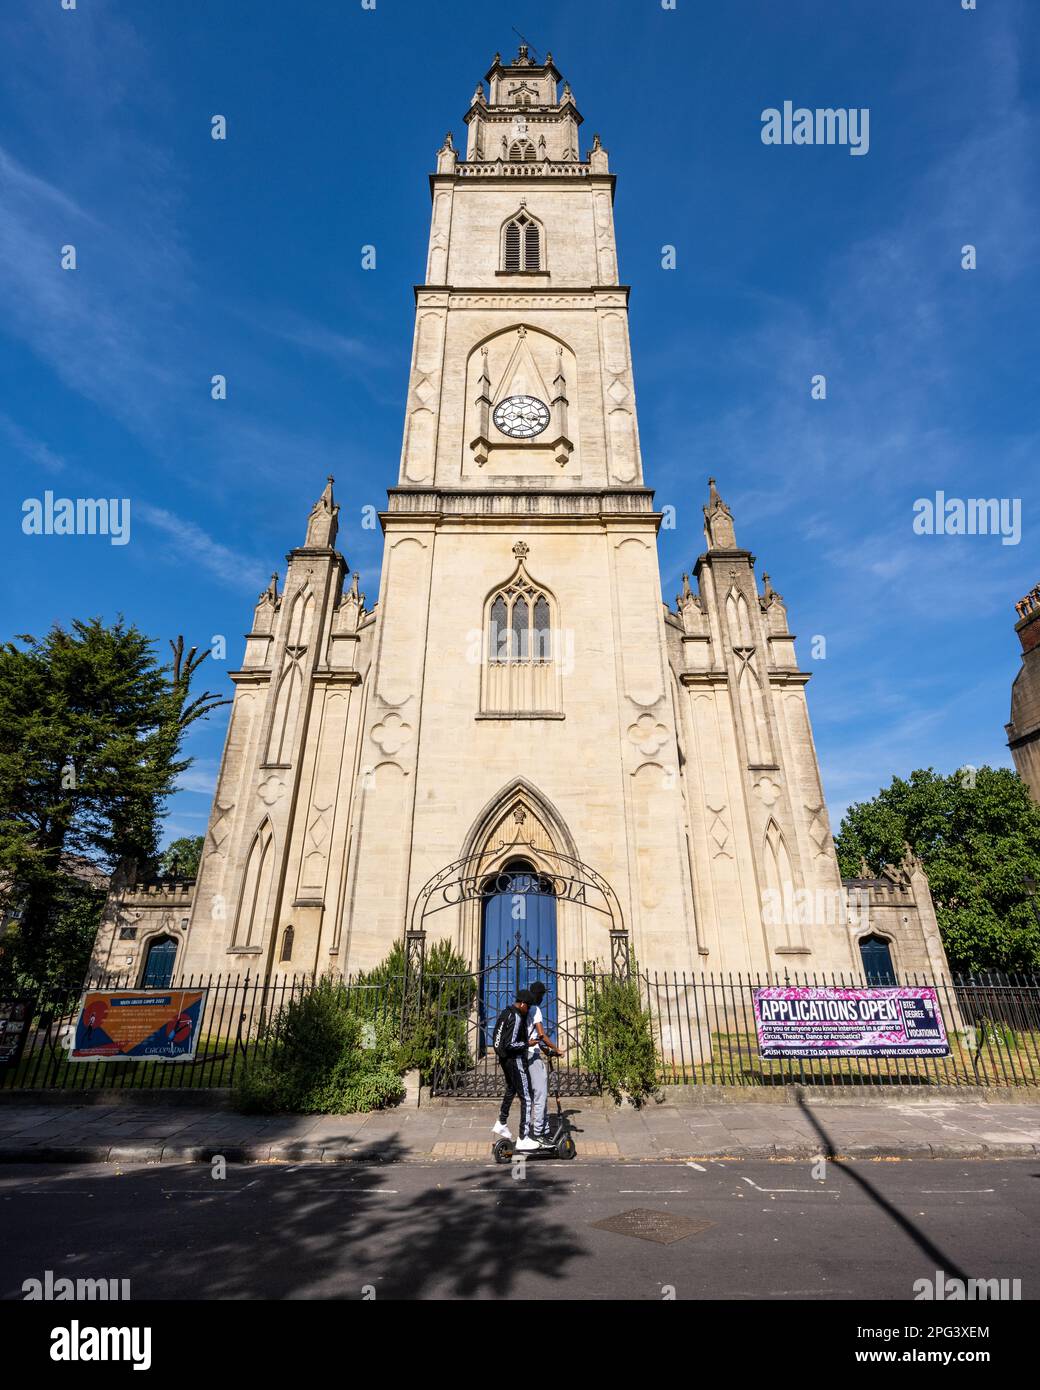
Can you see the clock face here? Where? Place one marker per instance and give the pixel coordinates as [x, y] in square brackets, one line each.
[521, 417]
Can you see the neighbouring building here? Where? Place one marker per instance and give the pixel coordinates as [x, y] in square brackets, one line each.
[520, 736]
[1024, 729]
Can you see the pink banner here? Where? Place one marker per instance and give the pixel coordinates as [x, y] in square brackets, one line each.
[821, 1022]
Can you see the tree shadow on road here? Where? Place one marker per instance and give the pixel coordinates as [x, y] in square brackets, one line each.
[346, 1230]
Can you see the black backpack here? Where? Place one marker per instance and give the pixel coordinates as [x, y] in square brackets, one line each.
[504, 1031]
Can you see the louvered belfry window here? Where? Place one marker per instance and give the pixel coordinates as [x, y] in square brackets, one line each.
[522, 150]
[531, 246]
[523, 244]
[513, 246]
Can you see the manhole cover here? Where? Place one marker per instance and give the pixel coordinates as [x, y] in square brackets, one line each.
[662, 1227]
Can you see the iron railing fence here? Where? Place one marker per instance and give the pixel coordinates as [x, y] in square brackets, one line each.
[235, 1024]
[703, 1028]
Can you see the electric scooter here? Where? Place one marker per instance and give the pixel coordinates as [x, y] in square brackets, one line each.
[559, 1143]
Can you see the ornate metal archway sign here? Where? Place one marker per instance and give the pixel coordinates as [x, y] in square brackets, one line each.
[470, 879]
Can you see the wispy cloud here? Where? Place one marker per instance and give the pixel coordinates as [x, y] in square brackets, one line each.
[200, 778]
[28, 447]
[315, 337]
[897, 327]
[190, 543]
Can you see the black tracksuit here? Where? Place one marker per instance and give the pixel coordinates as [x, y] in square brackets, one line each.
[511, 1050]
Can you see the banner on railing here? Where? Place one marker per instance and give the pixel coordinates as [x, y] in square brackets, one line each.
[142, 1025]
[821, 1022]
[14, 1026]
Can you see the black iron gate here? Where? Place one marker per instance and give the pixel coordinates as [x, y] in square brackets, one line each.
[464, 1062]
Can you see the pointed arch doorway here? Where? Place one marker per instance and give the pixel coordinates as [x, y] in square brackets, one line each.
[520, 831]
[518, 909]
[158, 966]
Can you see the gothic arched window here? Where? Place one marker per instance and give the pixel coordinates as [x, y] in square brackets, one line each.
[876, 955]
[522, 664]
[519, 625]
[522, 243]
[251, 921]
[521, 150]
[542, 650]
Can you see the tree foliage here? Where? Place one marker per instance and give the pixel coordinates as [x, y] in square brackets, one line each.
[92, 726]
[617, 1037]
[977, 833]
[434, 1028]
[315, 1058]
[181, 858]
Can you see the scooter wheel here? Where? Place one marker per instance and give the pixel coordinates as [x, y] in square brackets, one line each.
[503, 1151]
[565, 1148]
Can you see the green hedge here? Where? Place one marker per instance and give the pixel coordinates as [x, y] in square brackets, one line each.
[319, 1057]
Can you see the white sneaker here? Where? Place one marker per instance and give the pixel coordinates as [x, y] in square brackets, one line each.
[501, 1130]
[527, 1145]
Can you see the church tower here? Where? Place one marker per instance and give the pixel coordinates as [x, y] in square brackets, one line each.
[521, 668]
[519, 736]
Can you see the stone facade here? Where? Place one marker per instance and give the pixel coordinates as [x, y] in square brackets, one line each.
[520, 691]
[1024, 729]
[137, 917]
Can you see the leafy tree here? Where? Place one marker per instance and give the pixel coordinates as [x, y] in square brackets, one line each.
[92, 727]
[977, 833]
[180, 858]
[617, 1036]
[434, 1029]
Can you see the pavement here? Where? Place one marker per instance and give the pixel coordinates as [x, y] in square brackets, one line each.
[592, 1229]
[65, 1132]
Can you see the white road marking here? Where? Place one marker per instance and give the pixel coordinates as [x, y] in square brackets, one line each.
[831, 1191]
[698, 1166]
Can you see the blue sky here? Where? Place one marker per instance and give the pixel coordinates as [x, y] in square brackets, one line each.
[243, 257]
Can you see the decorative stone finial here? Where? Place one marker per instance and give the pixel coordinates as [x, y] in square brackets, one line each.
[270, 594]
[718, 521]
[521, 550]
[323, 523]
[769, 594]
[910, 862]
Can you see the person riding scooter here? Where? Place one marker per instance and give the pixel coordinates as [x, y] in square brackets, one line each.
[540, 1046]
[511, 1048]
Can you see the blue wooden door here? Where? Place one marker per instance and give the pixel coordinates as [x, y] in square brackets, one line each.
[519, 909]
[877, 962]
[158, 971]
